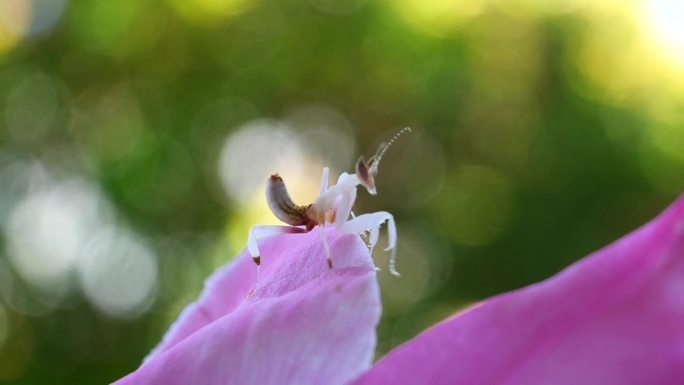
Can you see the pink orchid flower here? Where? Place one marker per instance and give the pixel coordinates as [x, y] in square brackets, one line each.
[615, 317]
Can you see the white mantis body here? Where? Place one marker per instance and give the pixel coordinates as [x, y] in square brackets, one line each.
[333, 205]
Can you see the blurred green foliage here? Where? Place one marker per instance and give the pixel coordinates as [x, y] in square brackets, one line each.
[540, 133]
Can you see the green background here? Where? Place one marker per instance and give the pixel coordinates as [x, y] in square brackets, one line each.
[541, 131]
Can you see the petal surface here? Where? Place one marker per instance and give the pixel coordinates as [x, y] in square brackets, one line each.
[615, 317]
[305, 323]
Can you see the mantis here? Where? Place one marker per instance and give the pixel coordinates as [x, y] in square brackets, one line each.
[333, 205]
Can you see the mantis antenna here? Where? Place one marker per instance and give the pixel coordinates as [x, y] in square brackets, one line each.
[375, 160]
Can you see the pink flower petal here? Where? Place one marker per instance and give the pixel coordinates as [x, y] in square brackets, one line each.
[305, 324]
[616, 317]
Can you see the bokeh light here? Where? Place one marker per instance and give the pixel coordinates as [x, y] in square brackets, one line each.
[27, 19]
[61, 229]
[210, 11]
[256, 151]
[663, 19]
[118, 273]
[47, 229]
[437, 17]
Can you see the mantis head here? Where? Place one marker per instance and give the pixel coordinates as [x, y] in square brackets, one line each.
[367, 171]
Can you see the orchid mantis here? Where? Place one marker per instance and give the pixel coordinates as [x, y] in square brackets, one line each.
[333, 205]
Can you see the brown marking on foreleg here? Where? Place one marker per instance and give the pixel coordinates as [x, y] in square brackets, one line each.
[256, 260]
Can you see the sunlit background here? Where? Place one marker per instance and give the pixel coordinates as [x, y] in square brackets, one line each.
[136, 137]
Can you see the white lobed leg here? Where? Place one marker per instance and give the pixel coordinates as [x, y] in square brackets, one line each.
[324, 180]
[343, 207]
[259, 231]
[371, 222]
[392, 234]
[324, 238]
